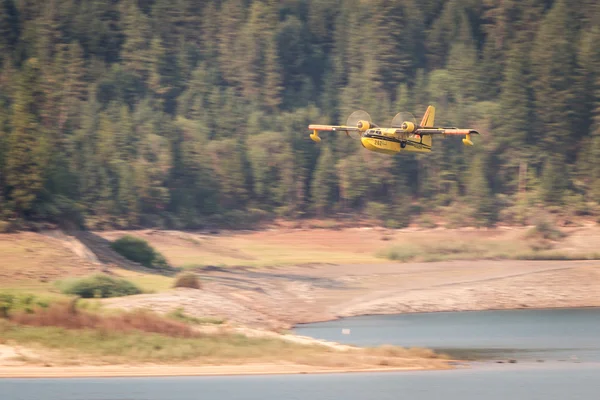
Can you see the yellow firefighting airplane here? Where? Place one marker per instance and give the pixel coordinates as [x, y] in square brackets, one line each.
[404, 134]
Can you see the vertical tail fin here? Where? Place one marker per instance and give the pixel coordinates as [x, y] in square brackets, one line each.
[428, 118]
[427, 122]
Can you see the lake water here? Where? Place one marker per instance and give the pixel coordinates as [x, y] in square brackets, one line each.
[549, 335]
[567, 340]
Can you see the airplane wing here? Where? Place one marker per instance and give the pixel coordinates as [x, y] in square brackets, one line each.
[335, 128]
[449, 131]
[445, 131]
[332, 128]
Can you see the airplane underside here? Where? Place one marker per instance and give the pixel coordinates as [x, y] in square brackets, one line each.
[388, 145]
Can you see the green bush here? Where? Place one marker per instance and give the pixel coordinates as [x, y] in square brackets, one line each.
[427, 222]
[179, 315]
[377, 210]
[7, 302]
[5, 227]
[393, 224]
[400, 253]
[99, 286]
[138, 250]
[26, 302]
[546, 230]
[187, 280]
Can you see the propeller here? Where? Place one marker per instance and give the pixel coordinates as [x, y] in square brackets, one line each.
[405, 121]
[360, 119]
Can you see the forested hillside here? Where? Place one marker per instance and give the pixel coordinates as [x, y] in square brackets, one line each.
[175, 113]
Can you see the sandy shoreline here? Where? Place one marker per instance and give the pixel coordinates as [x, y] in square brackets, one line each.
[168, 370]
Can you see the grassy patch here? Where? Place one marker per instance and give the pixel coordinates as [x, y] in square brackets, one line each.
[454, 250]
[77, 335]
[556, 256]
[106, 346]
[149, 283]
[179, 315]
[475, 250]
[68, 315]
[118, 346]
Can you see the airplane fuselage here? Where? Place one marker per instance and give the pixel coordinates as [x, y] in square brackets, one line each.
[386, 141]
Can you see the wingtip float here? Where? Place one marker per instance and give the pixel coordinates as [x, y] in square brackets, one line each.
[404, 134]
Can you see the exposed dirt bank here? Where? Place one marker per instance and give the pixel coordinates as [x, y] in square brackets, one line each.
[279, 298]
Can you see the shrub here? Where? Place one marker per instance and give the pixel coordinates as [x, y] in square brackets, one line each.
[377, 210]
[6, 304]
[187, 280]
[5, 227]
[399, 253]
[544, 229]
[99, 286]
[10, 302]
[67, 315]
[179, 315]
[138, 250]
[427, 222]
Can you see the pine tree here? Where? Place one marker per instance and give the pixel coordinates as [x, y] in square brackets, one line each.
[403, 100]
[231, 17]
[292, 53]
[9, 27]
[588, 73]
[26, 154]
[398, 48]
[229, 163]
[164, 75]
[553, 58]
[442, 32]
[168, 17]
[353, 186]
[462, 62]
[515, 102]
[554, 180]
[272, 77]
[49, 34]
[592, 164]
[136, 53]
[480, 195]
[209, 28]
[126, 201]
[324, 182]
[3, 138]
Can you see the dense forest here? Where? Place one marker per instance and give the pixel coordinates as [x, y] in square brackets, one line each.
[182, 113]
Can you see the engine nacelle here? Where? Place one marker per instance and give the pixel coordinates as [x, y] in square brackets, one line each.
[363, 125]
[408, 126]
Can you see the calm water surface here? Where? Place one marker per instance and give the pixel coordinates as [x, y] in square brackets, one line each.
[502, 383]
[549, 335]
[567, 340]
